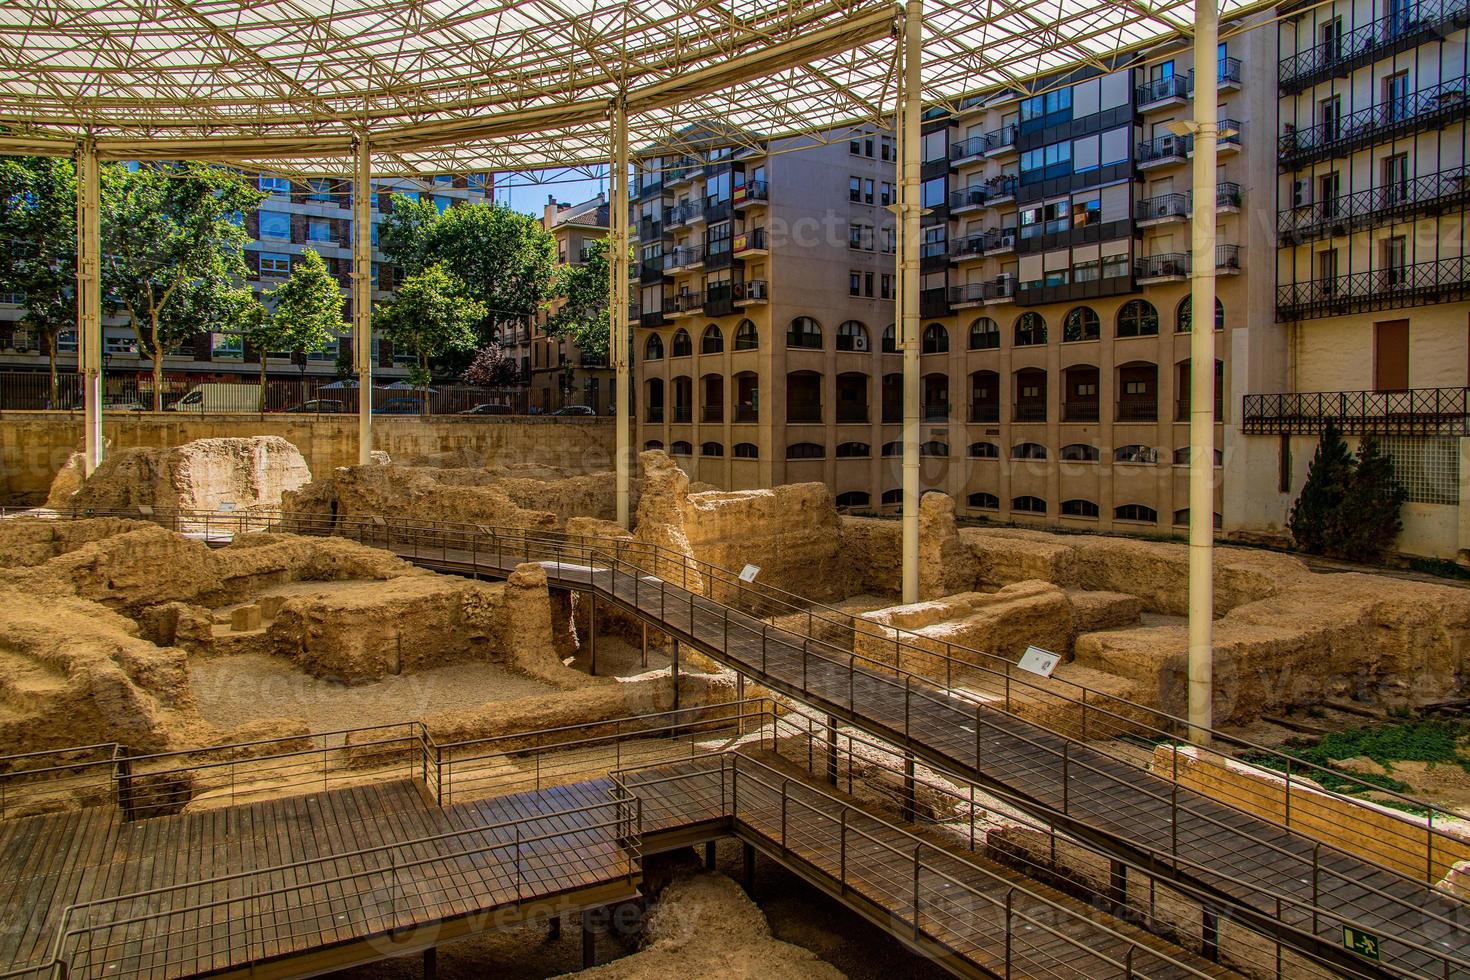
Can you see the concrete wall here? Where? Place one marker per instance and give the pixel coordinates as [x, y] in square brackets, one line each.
[34, 445]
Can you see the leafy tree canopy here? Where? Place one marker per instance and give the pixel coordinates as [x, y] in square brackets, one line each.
[493, 367]
[430, 314]
[38, 226]
[303, 313]
[583, 291]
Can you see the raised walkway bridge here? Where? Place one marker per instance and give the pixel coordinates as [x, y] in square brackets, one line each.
[1063, 754]
[277, 860]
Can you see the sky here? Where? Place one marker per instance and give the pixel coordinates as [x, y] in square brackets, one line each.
[569, 186]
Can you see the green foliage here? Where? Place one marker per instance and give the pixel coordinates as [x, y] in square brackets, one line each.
[1431, 741]
[431, 315]
[173, 246]
[304, 312]
[38, 226]
[492, 368]
[505, 259]
[1349, 507]
[583, 290]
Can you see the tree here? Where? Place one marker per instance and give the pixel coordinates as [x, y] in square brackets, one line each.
[1315, 513]
[1369, 515]
[431, 314]
[492, 368]
[303, 314]
[583, 290]
[173, 246]
[38, 201]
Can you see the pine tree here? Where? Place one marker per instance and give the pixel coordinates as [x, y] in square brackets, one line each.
[1314, 516]
[1368, 518]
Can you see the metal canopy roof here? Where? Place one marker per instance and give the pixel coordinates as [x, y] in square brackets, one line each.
[471, 85]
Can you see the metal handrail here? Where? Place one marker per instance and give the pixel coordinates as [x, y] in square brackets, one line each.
[1372, 124]
[1375, 283]
[1375, 205]
[1363, 42]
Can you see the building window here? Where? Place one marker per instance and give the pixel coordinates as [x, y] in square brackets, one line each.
[852, 336]
[1135, 453]
[711, 449]
[654, 349]
[746, 336]
[275, 185]
[983, 450]
[1181, 519]
[682, 346]
[1080, 452]
[1079, 508]
[1030, 329]
[1183, 317]
[854, 283]
[853, 450]
[890, 342]
[853, 498]
[894, 448]
[1081, 324]
[936, 339]
[806, 450]
[984, 334]
[713, 341]
[805, 333]
[933, 448]
[1028, 450]
[276, 225]
[1028, 505]
[1138, 318]
[681, 448]
[746, 450]
[1181, 457]
[321, 189]
[1136, 512]
[892, 498]
[983, 501]
[854, 189]
[653, 444]
[318, 230]
[860, 236]
[275, 264]
[885, 286]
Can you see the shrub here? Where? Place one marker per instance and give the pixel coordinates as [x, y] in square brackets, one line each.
[1315, 511]
[1348, 508]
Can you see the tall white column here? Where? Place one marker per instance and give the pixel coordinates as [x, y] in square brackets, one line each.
[362, 297]
[1202, 374]
[89, 299]
[910, 108]
[617, 293]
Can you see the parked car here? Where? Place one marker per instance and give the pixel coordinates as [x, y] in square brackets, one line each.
[316, 406]
[220, 397]
[123, 403]
[488, 409]
[575, 410]
[400, 406]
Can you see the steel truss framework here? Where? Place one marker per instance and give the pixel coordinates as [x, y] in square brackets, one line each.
[472, 86]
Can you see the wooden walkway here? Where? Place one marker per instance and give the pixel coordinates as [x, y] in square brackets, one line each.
[349, 865]
[1267, 875]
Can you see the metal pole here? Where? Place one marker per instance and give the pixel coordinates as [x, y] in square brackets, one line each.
[1202, 375]
[362, 297]
[911, 106]
[89, 298]
[618, 330]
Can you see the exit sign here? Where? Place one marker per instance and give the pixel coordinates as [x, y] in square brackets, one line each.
[1360, 942]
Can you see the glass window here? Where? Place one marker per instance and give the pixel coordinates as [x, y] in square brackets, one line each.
[321, 189]
[852, 336]
[1138, 318]
[932, 193]
[275, 185]
[746, 337]
[984, 334]
[318, 230]
[1030, 329]
[804, 332]
[1081, 324]
[275, 224]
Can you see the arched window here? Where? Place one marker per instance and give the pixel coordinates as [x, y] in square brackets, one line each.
[1028, 505]
[1181, 519]
[933, 448]
[682, 346]
[806, 450]
[1079, 508]
[853, 498]
[1136, 512]
[892, 497]
[654, 349]
[746, 336]
[894, 448]
[890, 340]
[1028, 450]
[1181, 457]
[984, 450]
[984, 501]
[711, 449]
[653, 444]
[1081, 324]
[1080, 452]
[936, 339]
[713, 341]
[746, 450]
[1030, 329]
[1183, 316]
[1135, 453]
[1138, 318]
[984, 334]
[681, 448]
[852, 335]
[804, 332]
[853, 450]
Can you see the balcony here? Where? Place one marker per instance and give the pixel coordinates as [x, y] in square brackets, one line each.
[1381, 123]
[1174, 266]
[650, 229]
[653, 413]
[997, 190]
[747, 413]
[1080, 411]
[684, 171]
[994, 241]
[1401, 30]
[851, 414]
[998, 290]
[751, 243]
[1162, 210]
[685, 304]
[985, 412]
[992, 145]
[1142, 410]
[684, 258]
[1435, 281]
[1415, 411]
[1164, 151]
[750, 193]
[683, 214]
[1028, 412]
[683, 413]
[1430, 194]
[712, 413]
[750, 291]
[652, 268]
[1162, 93]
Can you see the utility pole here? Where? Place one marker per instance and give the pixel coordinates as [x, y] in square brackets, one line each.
[910, 108]
[89, 299]
[617, 293]
[362, 296]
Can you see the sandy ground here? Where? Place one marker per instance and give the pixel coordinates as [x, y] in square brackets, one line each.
[843, 942]
[233, 690]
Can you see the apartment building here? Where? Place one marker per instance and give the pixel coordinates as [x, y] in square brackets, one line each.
[764, 298]
[1372, 271]
[298, 215]
[555, 369]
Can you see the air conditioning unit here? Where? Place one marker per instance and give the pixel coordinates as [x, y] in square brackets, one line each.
[1007, 241]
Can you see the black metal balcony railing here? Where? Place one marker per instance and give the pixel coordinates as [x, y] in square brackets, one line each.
[1414, 411]
[681, 213]
[751, 290]
[803, 413]
[649, 229]
[750, 240]
[653, 413]
[1376, 206]
[852, 413]
[1171, 145]
[751, 190]
[977, 292]
[1080, 411]
[1028, 412]
[1136, 410]
[1398, 31]
[979, 195]
[683, 413]
[683, 256]
[1434, 281]
[1181, 407]
[1227, 195]
[975, 146]
[985, 412]
[1227, 258]
[991, 240]
[712, 413]
[1380, 123]
[1159, 89]
[746, 413]
[936, 413]
[652, 267]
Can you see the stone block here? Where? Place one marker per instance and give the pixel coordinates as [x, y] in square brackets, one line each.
[245, 618]
[1103, 610]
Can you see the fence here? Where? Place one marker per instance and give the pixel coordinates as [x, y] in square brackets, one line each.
[244, 395]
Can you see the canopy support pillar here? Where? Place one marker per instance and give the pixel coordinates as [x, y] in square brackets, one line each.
[619, 334]
[89, 299]
[910, 109]
[362, 296]
[1202, 374]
